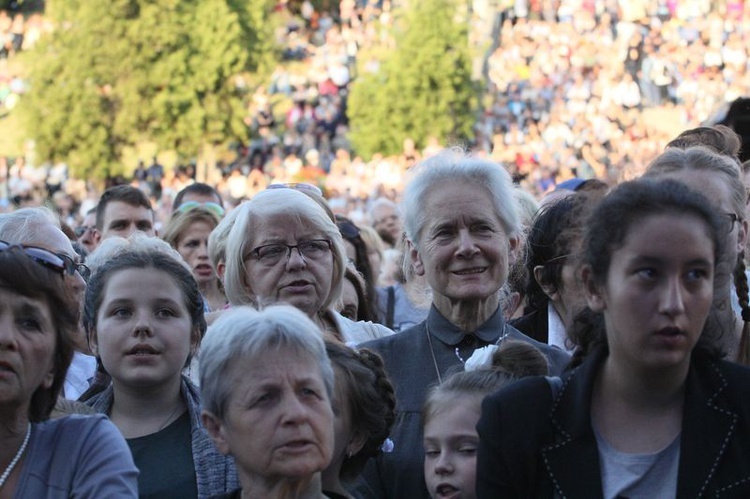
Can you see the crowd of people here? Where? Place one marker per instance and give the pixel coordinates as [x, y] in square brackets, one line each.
[492, 334]
[230, 343]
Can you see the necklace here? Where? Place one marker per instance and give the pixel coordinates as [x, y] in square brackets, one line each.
[177, 407]
[432, 351]
[16, 458]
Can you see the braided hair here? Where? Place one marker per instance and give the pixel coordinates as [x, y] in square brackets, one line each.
[369, 399]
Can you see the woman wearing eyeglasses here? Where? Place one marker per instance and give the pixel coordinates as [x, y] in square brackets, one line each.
[284, 248]
[71, 457]
[187, 232]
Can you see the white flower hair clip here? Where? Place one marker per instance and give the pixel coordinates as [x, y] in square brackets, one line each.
[481, 358]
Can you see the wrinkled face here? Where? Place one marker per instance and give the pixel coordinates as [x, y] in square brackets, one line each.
[658, 292]
[464, 251]
[143, 332]
[27, 345]
[193, 247]
[450, 445]
[122, 219]
[301, 281]
[278, 422]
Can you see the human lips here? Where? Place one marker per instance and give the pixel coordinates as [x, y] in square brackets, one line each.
[297, 446]
[6, 367]
[204, 269]
[447, 491]
[298, 285]
[670, 334]
[142, 350]
[470, 271]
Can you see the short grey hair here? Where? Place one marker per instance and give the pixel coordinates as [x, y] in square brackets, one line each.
[270, 203]
[16, 226]
[381, 202]
[243, 335]
[453, 166]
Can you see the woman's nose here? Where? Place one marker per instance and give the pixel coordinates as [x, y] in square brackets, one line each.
[444, 464]
[672, 300]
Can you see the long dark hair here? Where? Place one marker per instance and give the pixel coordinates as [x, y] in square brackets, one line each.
[608, 226]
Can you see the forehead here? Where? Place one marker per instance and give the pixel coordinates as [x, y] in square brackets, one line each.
[283, 227]
[279, 365]
[119, 210]
[460, 202]
[128, 283]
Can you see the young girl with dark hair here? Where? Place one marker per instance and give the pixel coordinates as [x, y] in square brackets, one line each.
[651, 410]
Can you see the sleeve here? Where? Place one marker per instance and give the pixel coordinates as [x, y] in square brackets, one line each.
[105, 465]
[513, 428]
[492, 478]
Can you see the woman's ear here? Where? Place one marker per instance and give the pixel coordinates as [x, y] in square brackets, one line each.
[594, 295]
[416, 260]
[742, 235]
[358, 440]
[93, 342]
[514, 249]
[215, 429]
[549, 289]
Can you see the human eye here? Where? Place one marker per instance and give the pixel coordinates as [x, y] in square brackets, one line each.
[118, 225]
[697, 274]
[647, 273]
[350, 313]
[271, 251]
[264, 399]
[313, 248]
[29, 323]
[431, 451]
[311, 392]
[120, 312]
[165, 312]
[144, 226]
[467, 449]
[482, 228]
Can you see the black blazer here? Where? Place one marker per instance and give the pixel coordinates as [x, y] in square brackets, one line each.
[535, 325]
[534, 446]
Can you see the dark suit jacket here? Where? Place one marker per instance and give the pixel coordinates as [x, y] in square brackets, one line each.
[534, 446]
[535, 325]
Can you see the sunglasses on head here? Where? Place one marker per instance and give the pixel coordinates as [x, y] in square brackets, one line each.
[214, 208]
[54, 261]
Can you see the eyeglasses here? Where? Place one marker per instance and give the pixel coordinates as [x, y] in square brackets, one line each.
[299, 187]
[214, 208]
[271, 254]
[732, 219]
[57, 262]
[559, 259]
[80, 231]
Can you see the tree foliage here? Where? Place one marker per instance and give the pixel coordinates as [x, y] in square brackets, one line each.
[119, 72]
[423, 88]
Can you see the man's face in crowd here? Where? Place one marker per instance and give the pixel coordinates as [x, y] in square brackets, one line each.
[122, 219]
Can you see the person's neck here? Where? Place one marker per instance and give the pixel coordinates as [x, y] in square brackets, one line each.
[12, 434]
[213, 294]
[466, 315]
[258, 488]
[331, 481]
[138, 412]
[647, 390]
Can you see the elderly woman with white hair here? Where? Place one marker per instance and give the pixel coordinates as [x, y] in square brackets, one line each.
[266, 386]
[284, 248]
[463, 230]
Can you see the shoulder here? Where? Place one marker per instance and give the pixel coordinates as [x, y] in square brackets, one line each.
[558, 359]
[523, 406]
[360, 331]
[395, 343]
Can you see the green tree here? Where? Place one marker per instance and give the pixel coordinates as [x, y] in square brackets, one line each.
[423, 88]
[117, 73]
